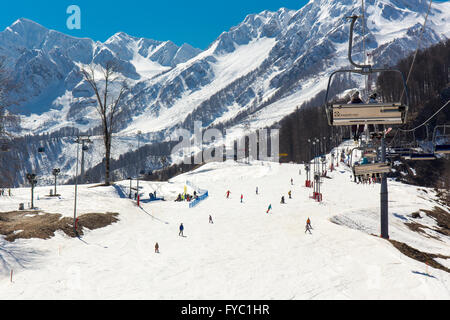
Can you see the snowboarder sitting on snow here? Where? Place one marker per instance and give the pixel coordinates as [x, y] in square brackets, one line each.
[181, 230]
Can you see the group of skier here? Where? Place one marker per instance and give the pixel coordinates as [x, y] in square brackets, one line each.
[227, 195]
[3, 192]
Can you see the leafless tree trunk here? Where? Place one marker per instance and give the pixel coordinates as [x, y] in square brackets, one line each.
[108, 103]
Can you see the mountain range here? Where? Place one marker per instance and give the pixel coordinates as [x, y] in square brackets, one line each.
[255, 73]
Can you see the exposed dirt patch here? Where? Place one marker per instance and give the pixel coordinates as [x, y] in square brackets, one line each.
[416, 215]
[442, 218]
[35, 224]
[424, 257]
[417, 227]
[443, 197]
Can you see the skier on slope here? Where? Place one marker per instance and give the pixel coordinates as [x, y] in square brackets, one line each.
[228, 194]
[292, 181]
[242, 197]
[308, 227]
[210, 219]
[308, 223]
[282, 199]
[157, 248]
[289, 193]
[270, 208]
[256, 190]
[181, 230]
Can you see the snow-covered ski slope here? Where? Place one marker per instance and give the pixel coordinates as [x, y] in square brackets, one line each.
[245, 254]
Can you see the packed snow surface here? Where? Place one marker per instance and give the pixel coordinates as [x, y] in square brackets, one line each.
[245, 254]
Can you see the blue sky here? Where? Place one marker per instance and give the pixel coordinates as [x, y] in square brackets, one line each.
[197, 22]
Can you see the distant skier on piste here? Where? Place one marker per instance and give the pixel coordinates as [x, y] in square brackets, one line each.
[289, 193]
[181, 230]
[228, 194]
[157, 248]
[270, 208]
[292, 181]
[242, 197]
[256, 190]
[308, 222]
[210, 219]
[308, 226]
[282, 199]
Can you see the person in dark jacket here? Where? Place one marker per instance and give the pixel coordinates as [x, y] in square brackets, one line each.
[181, 230]
[356, 129]
[157, 248]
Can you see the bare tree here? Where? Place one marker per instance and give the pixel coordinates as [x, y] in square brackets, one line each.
[108, 102]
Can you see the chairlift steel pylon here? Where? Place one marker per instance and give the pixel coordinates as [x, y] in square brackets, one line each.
[339, 114]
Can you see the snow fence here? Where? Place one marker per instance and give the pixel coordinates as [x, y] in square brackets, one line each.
[202, 194]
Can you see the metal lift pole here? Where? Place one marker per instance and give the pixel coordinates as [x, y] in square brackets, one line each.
[76, 190]
[384, 195]
[82, 161]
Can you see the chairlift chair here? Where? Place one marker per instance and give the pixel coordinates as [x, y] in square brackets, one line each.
[441, 132]
[371, 168]
[420, 156]
[389, 113]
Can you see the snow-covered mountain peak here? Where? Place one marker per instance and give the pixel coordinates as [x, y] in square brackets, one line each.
[259, 71]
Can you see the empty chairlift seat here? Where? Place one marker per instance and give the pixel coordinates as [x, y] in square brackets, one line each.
[377, 113]
[443, 148]
[420, 156]
[441, 139]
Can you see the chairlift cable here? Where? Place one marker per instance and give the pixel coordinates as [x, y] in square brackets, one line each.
[426, 120]
[418, 47]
